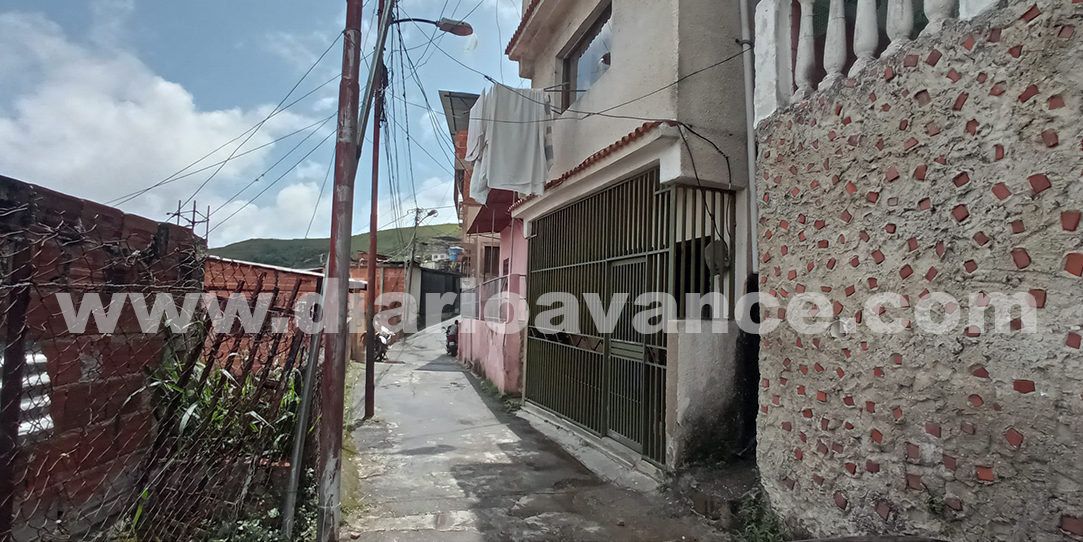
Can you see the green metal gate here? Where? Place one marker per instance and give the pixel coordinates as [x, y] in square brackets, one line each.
[634, 238]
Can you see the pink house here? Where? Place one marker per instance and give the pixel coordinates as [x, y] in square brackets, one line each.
[494, 264]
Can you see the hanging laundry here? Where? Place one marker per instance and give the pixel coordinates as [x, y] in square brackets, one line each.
[509, 141]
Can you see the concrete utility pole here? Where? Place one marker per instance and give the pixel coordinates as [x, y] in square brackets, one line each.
[337, 285]
[410, 263]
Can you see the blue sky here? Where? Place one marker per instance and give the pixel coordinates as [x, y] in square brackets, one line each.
[101, 98]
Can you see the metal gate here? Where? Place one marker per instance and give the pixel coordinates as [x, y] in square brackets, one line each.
[633, 238]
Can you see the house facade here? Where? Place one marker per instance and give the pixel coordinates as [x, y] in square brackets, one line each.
[648, 193]
[934, 160]
[493, 265]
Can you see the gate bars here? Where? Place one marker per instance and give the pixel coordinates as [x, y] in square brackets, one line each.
[637, 236]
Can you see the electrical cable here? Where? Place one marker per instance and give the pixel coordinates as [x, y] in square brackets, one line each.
[177, 176]
[323, 186]
[260, 125]
[268, 170]
[268, 187]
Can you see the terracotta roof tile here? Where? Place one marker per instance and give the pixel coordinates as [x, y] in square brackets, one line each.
[597, 157]
[527, 13]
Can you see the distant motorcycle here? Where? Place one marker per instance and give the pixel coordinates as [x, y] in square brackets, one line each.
[452, 333]
[384, 339]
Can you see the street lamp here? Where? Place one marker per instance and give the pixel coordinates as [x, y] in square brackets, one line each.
[451, 26]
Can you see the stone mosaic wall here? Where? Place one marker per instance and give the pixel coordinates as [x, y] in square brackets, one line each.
[952, 166]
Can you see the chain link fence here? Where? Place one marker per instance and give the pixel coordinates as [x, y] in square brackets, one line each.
[123, 423]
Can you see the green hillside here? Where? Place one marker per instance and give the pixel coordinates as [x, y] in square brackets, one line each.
[310, 253]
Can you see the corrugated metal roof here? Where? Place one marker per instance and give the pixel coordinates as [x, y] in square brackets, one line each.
[457, 109]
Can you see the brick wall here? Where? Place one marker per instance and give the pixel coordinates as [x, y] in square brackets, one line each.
[79, 461]
[952, 166]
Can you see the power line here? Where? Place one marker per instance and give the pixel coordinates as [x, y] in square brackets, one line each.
[323, 186]
[268, 187]
[260, 125]
[128, 197]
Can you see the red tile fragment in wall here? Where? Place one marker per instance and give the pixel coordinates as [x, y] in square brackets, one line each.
[821, 396]
[1016, 51]
[932, 128]
[877, 372]
[932, 429]
[994, 35]
[877, 436]
[933, 58]
[1021, 258]
[961, 179]
[1049, 137]
[807, 413]
[954, 76]
[906, 271]
[1014, 438]
[931, 274]
[960, 213]
[969, 43]
[997, 90]
[1074, 264]
[968, 428]
[972, 331]
[1029, 93]
[1071, 525]
[853, 140]
[798, 454]
[872, 467]
[789, 483]
[1066, 31]
[870, 406]
[1000, 190]
[970, 266]
[913, 481]
[904, 124]
[873, 197]
[949, 462]
[787, 426]
[942, 160]
[848, 401]
[985, 474]
[840, 500]
[960, 101]
[889, 73]
[824, 424]
[972, 127]
[1055, 102]
[846, 216]
[998, 152]
[909, 144]
[851, 188]
[920, 171]
[1039, 298]
[982, 78]
[851, 468]
[910, 61]
[897, 412]
[1017, 226]
[1031, 13]
[912, 244]
[1039, 183]
[912, 451]
[925, 204]
[1023, 386]
[981, 372]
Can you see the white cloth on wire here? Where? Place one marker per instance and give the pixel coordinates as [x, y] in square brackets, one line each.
[509, 146]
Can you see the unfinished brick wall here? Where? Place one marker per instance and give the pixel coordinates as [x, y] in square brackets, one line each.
[952, 166]
[77, 457]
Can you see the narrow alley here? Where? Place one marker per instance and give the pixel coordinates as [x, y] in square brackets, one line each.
[445, 460]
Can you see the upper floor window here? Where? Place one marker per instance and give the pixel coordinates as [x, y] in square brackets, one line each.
[589, 59]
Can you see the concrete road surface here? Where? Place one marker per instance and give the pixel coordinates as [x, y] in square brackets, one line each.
[443, 461]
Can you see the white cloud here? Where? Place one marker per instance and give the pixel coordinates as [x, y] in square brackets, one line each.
[94, 121]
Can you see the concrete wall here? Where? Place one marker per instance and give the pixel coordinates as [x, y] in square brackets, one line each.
[953, 166]
[497, 354]
[703, 394]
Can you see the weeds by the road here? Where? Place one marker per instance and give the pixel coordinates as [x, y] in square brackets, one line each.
[510, 403]
[758, 523]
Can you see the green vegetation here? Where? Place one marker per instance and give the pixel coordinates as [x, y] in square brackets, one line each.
[310, 253]
[758, 523]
